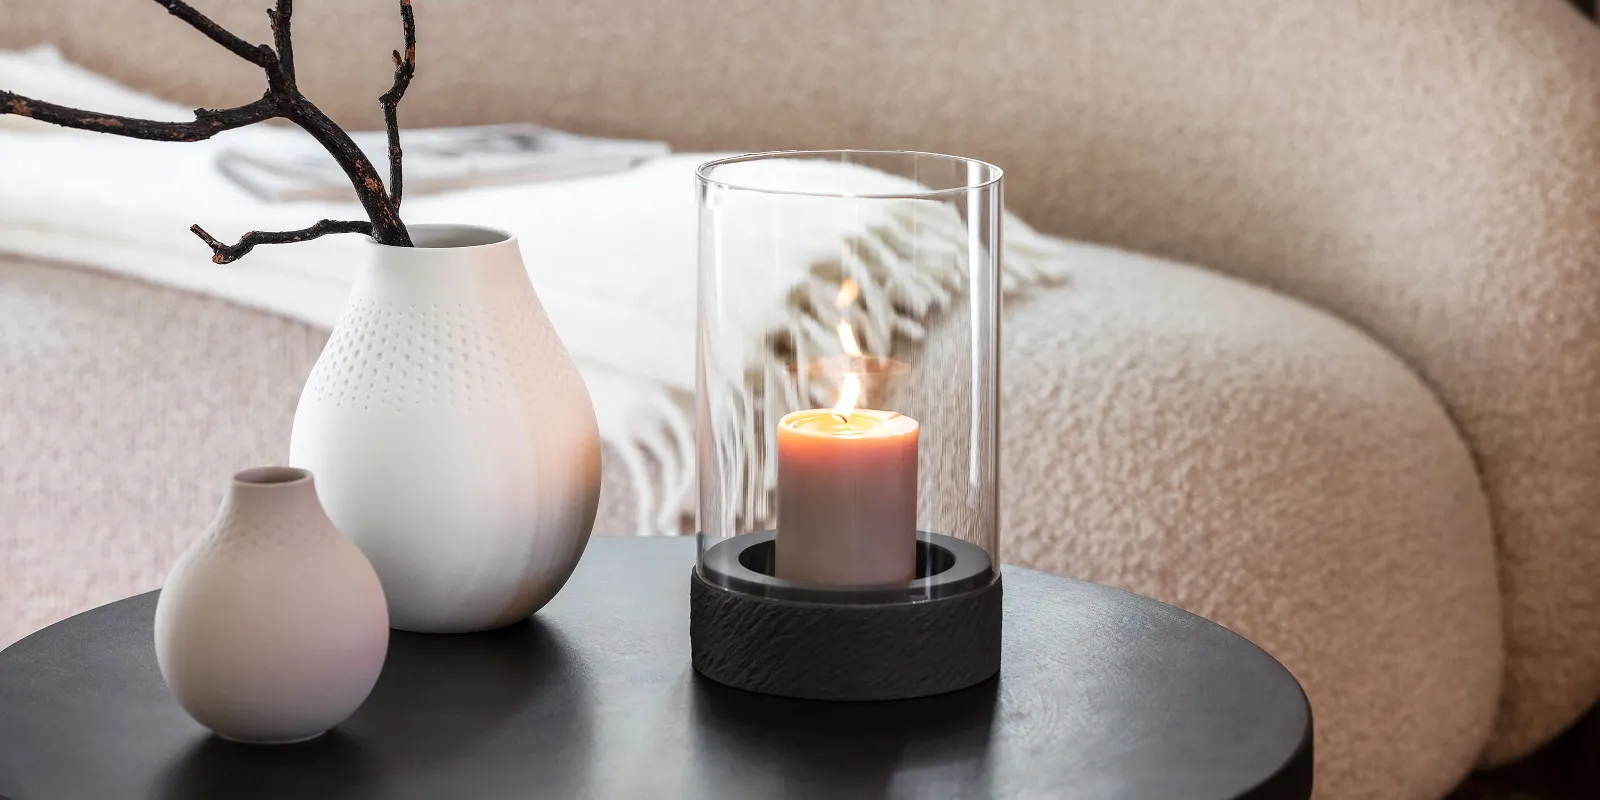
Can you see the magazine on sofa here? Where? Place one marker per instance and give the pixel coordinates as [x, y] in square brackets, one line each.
[291, 168]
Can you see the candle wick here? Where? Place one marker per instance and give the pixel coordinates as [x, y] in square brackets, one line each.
[845, 418]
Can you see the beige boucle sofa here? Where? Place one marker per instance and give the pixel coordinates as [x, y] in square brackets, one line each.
[1366, 435]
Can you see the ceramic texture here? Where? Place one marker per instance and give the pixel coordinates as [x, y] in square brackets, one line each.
[452, 437]
[272, 627]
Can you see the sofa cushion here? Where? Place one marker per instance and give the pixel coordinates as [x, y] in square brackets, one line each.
[1246, 457]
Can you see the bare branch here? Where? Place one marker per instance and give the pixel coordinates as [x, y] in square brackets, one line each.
[229, 253]
[386, 225]
[282, 41]
[404, 68]
[258, 54]
[207, 122]
[282, 100]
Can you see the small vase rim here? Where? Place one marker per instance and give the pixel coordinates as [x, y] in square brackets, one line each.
[455, 236]
[274, 475]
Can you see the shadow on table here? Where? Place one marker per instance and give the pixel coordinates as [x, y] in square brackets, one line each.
[778, 747]
[332, 763]
[436, 715]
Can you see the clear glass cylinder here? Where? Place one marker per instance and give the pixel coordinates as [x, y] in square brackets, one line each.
[848, 374]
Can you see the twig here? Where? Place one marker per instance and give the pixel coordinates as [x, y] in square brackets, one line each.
[229, 253]
[282, 100]
[404, 68]
[386, 225]
[207, 122]
[257, 54]
[282, 41]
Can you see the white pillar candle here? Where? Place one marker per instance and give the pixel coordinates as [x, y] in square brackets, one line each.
[847, 497]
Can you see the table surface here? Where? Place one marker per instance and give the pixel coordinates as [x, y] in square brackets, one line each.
[1101, 694]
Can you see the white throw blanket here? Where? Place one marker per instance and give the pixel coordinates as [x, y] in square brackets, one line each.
[613, 257]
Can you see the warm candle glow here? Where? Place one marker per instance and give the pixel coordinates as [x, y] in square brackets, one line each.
[863, 422]
[850, 390]
[847, 339]
[848, 292]
[849, 395]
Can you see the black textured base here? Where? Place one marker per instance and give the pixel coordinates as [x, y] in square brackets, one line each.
[827, 651]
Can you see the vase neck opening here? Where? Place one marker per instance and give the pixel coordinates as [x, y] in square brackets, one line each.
[273, 490]
[437, 236]
[271, 476]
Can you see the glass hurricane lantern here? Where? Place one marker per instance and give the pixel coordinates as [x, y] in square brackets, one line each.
[848, 402]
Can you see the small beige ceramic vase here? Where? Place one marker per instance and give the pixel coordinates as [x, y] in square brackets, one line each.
[272, 628]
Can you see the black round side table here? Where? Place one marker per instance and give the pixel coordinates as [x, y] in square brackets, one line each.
[1102, 694]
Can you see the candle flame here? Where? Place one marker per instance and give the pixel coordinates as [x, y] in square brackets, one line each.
[847, 339]
[849, 394]
[850, 391]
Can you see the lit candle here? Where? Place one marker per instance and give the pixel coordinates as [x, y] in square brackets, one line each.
[847, 496]
[847, 481]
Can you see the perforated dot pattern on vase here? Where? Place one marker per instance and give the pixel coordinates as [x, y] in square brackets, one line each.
[394, 356]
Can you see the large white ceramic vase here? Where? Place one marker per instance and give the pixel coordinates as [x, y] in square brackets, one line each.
[452, 438]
